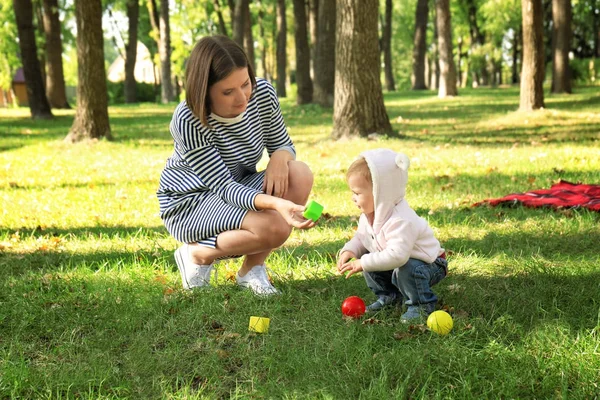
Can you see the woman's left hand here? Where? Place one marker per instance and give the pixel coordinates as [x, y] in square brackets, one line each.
[292, 213]
[277, 173]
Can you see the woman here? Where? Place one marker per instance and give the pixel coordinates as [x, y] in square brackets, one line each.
[211, 196]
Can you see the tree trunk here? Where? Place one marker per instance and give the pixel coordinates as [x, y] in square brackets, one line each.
[281, 49]
[435, 56]
[55, 77]
[222, 27]
[133, 12]
[596, 33]
[91, 117]
[238, 21]
[420, 45]
[303, 80]
[358, 106]
[313, 6]
[38, 103]
[477, 40]
[459, 61]
[325, 54]
[447, 67]
[164, 51]
[515, 56]
[39, 18]
[532, 76]
[390, 85]
[264, 48]
[248, 38]
[561, 45]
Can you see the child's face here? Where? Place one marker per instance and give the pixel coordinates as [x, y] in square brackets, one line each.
[362, 193]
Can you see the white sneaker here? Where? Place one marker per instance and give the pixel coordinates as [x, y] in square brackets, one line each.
[257, 280]
[192, 275]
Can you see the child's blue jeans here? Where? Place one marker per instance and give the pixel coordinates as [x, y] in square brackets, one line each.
[410, 283]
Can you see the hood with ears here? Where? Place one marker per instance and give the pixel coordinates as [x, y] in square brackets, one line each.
[389, 172]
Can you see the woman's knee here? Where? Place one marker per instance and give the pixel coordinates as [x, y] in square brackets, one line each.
[270, 228]
[301, 181]
[276, 233]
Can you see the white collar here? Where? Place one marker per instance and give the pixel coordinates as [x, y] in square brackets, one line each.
[223, 120]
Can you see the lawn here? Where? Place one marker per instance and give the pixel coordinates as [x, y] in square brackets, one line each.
[91, 304]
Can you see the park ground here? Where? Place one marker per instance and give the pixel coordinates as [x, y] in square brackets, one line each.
[91, 304]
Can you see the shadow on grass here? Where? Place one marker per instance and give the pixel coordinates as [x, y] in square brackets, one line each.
[88, 231]
[527, 293]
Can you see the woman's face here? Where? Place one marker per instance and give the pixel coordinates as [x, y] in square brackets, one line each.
[229, 96]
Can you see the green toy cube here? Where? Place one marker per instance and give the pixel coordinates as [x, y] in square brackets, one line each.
[313, 210]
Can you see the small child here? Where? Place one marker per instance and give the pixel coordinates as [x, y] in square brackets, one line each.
[395, 248]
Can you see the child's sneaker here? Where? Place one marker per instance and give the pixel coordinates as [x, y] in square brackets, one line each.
[192, 275]
[417, 313]
[257, 280]
[382, 302]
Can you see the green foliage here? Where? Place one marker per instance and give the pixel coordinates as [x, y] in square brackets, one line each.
[145, 92]
[9, 47]
[403, 26]
[585, 70]
[91, 304]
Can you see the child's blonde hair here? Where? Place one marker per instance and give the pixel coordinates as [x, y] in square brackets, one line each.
[361, 168]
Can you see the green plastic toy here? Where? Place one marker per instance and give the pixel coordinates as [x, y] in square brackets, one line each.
[313, 210]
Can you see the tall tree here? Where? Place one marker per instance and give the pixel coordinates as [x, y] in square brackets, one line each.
[358, 105]
[386, 41]
[248, 38]
[9, 51]
[133, 13]
[281, 49]
[164, 51]
[313, 12]
[38, 102]
[434, 81]
[447, 67]
[264, 42]
[303, 79]
[420, 45]
[55, 77]
[91, 118]
[517, 52]
[325, 54]
[222, 27]
[561, 45]
[532, 74]
[159, 17]
[239, 20]
[480, 75]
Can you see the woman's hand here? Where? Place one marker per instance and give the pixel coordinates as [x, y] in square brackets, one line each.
[352, 266]
[277, 174]
[292, 213]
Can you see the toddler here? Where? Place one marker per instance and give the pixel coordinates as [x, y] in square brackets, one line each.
[394, 248]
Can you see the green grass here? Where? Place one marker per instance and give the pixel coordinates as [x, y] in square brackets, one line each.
[91, 304]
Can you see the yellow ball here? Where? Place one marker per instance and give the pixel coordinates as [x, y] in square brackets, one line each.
[440, 322]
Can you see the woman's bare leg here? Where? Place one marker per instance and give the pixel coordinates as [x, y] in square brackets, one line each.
[261, 232]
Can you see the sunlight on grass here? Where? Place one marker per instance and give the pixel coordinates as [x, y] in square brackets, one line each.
[91, 303]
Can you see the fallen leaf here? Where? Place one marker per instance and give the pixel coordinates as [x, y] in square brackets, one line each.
[403, 335]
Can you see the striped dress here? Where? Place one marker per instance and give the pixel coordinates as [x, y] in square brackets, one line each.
[210, 182]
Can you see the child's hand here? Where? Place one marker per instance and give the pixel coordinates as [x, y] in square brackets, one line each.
[343, 258]
[352, 266]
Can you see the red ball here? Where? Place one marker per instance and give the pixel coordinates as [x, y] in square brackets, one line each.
[353, 307]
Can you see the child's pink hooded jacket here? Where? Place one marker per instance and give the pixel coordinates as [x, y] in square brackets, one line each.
[398, 233]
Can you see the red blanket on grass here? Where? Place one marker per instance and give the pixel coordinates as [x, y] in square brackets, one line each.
[561, 195]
